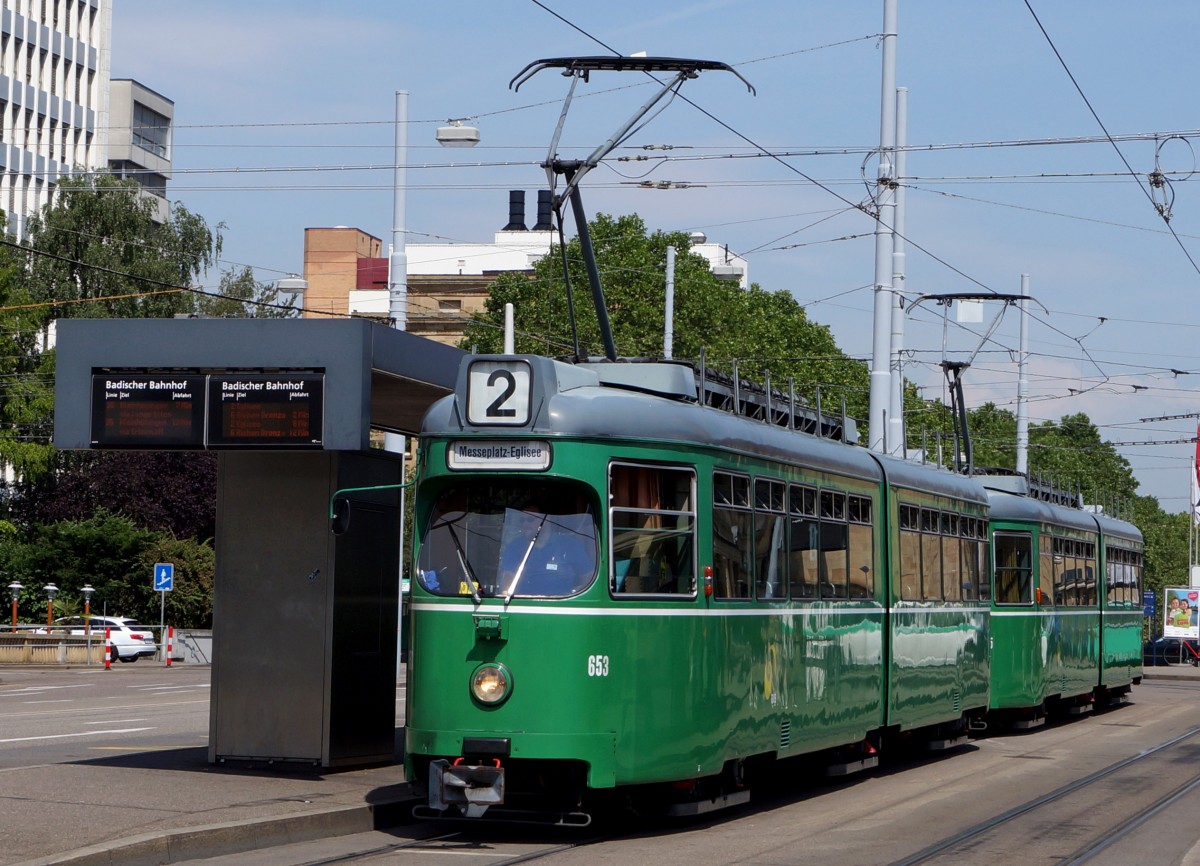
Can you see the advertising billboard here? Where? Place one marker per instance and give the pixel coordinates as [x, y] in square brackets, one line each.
[1180, 612]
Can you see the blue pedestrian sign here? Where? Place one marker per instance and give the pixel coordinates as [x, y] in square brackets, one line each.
[164, 577]
[1149, 603]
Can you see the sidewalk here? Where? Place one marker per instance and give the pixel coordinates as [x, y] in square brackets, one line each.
[81, 812]
[154, 807]
[1171, 672]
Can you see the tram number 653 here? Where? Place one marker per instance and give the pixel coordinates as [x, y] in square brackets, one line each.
[597, 666]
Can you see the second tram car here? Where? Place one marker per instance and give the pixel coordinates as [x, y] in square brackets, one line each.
[1066, 616]
[618, 586]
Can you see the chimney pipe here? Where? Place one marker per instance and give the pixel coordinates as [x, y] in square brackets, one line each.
[516, 211]
[543, 213]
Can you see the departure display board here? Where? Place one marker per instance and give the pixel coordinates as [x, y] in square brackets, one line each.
[265, 411]
[148, 410]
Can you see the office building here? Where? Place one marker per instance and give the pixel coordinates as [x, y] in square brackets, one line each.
[139, 143]
[54, 78]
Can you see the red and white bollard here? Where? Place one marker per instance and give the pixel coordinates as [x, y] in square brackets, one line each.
[170, 643]
[108, 649]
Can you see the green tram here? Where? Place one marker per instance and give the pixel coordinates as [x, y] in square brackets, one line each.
[1066, 608]
[619, 586]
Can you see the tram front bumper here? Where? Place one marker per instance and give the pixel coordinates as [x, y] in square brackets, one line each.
[471, 788]
[597, 750]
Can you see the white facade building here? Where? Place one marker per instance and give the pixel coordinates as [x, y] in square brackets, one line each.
[514, 251]
[54, 91]
[139, 140]
[520, 251]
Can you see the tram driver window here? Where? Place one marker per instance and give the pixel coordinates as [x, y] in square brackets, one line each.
[1013, 567]
[653, 529]
[525, 538]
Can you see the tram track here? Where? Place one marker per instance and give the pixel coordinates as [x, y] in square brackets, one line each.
[1019, 831]
[506, 852]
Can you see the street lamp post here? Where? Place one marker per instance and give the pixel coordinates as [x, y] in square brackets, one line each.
[51, 590]
[87, 591]
[14, 589]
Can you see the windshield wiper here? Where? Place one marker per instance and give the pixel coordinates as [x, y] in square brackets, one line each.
[462, 561]
[512, 587]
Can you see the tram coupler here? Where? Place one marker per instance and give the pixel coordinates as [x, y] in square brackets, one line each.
[470, 788]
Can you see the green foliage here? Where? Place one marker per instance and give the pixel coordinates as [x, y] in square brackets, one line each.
[765, 331]
[190, 602]
[169, 491]
[1069, 452]
[116, 557]
[242, 296]
[1166, 537]
[95, 251]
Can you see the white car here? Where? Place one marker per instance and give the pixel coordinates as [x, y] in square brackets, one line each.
[130, 641]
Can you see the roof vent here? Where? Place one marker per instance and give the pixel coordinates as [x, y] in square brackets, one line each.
[516, 211]
[544, 207]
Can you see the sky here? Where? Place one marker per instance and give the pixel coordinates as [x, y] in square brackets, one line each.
[1033, 128]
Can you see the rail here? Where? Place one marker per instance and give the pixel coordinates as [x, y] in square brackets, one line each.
[32, 645]
[30, 648]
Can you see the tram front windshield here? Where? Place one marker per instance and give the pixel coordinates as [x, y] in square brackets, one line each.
[517, 539]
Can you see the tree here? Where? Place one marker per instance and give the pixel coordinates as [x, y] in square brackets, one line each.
[1072, 451]
[164, 491]
[242, 296]
[1166, 539]
[96, 251]
[765, 331]
[117, 558]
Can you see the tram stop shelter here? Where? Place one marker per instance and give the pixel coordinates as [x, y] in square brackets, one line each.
[305, 620]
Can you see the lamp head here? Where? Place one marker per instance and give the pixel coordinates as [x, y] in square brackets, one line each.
[457, 135]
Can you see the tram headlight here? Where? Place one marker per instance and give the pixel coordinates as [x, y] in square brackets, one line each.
[491, 684]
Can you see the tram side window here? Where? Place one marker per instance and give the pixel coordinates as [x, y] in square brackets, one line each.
[1088, 591]
[1135, 579]
[1064, 567]
[1114, 574]
[770, 548]
[804, 546]
[732, 537]
[1074, 572]
[968, 548]
[951, 558]
[835, 545]
[910, 552]
[1013, 567]
[1046, 566]
[862, 548]
[931, 555]
[653, 529]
